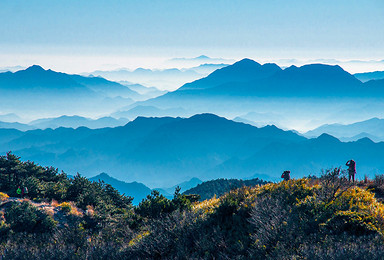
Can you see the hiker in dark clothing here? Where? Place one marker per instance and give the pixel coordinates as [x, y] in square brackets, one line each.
[286, 175]
[25, 192]
[351, 170]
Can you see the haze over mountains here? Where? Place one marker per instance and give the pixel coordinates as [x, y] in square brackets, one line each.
[46, 92]
[372, 128]
[180, 145]
[367, 76]
[165, 79]
[314, 94]
[249, 78]
[164, 151]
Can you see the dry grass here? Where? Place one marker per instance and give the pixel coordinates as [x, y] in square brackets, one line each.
[54, 203]
[90, 211]
[207, 206]
[50, 211]
[3, 196]
[71, 209]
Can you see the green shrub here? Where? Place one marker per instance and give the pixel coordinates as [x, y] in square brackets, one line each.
[24, 217]
[36, 188]
[154, 205]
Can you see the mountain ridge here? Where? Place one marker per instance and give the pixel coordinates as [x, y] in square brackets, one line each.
[205, 146]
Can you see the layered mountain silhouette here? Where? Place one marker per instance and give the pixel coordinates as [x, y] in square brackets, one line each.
[65, 121]
[106, 87]
[16, 125]
[161, 152]
[367, 76]
[145, 92]
[161, 78]
[148, 111]
[308, 96]
[77, 121]
[208, 68]
[134, 189]
[371, 128]
[36, 79]
[184, 186]
[39, 91]
[249, 79]
[10, 118]
[242, 71]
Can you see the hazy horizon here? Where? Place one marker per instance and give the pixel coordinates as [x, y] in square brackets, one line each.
[76, 37]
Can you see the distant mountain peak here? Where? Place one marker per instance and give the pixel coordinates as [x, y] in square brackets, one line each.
[102, 175]
[202, 57]
[327, 138]
[246, 62]
[34, 68]
[205, 115]
[374, 119]
[365, 140]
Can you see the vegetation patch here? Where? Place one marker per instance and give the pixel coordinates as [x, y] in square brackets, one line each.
[323, 217]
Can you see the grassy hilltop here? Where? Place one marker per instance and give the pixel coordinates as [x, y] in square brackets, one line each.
[308, 218]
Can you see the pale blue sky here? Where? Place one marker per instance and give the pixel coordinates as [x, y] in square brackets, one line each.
[342, 29]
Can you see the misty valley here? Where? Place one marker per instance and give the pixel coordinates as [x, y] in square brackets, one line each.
[120, 168]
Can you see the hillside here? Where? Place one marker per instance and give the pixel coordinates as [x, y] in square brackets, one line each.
[317, 218]
[217, 188]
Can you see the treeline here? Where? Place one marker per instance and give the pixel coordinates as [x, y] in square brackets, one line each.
[309, 218]
[219, 187]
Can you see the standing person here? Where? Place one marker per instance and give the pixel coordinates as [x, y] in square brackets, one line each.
[286, 175]
[25, 190]
[351, 169]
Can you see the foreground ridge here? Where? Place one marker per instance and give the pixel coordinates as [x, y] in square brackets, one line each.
[310, 218]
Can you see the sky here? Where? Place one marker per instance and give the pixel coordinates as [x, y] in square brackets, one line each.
[78, 36]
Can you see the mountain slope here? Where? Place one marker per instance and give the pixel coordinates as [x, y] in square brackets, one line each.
[219, 187]
[248, 79]
[15, 125]
[134, 189]
[241, 71]
[36, 79]
[33, 90]
[106, 87]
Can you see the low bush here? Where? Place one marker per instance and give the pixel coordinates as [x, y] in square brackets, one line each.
[24, 217]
